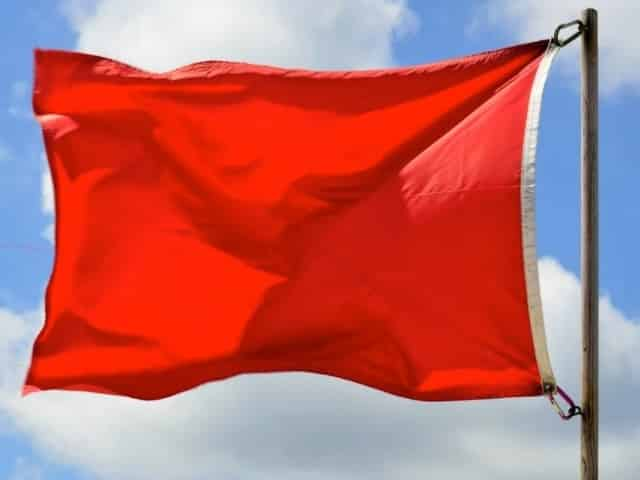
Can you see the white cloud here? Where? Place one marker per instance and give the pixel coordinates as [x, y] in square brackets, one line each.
[164, 34]
[47, 199]
[15, 330]
[307, 426]
[47, 192]
[617, 22]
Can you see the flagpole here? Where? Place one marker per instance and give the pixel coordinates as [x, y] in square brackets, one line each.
[589, 245]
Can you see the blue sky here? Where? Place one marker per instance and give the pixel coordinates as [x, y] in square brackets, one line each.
[403, 33]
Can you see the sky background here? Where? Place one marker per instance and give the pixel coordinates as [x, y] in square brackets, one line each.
[305, 426]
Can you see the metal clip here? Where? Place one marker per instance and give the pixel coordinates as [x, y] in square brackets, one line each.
[573, 410]
[561, 43]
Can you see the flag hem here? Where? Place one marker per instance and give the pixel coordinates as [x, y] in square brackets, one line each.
[110, 66]
[528, 208]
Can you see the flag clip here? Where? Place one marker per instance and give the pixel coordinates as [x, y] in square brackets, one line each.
[562, 42]
[573, 410]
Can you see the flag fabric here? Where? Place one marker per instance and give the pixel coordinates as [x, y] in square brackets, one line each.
[227, 218]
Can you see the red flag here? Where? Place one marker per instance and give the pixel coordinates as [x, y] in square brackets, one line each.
[227, 218]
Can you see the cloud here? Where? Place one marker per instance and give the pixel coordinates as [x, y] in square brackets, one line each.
[306, 426]
[47, 199]
[47, 192]
[164, 34]
[15, 330]
[617, 21]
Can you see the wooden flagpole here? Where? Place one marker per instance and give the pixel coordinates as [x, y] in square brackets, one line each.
[589, 245]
